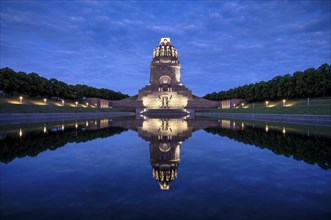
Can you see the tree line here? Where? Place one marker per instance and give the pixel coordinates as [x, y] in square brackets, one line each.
[33, 85]
[309, 83]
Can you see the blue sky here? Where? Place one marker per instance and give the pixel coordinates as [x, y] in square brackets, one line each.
[109, 44]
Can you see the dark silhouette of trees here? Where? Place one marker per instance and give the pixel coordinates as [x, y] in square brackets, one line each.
[309, 83]
[310, 149]
[34, 143]
[33, 85]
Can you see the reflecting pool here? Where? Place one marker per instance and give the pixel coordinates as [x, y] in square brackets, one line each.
[172, 168]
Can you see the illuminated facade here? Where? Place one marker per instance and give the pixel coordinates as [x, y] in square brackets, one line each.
[165, 90]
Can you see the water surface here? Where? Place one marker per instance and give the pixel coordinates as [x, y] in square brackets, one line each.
[164, 169]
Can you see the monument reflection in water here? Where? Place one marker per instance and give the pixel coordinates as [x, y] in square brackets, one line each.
[165, 137]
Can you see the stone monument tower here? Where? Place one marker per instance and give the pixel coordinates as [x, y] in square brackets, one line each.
[165, 90]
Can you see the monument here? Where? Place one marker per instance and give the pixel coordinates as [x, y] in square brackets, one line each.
[165, 90]
[165, 94]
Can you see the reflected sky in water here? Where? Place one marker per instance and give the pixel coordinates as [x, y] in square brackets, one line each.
[218, 176]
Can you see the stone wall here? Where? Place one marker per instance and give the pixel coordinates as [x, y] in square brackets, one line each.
[126, 104]
[197, 104]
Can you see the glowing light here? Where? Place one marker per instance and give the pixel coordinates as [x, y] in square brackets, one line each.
[266, 128]
[13, 101]
[21, 99]
[284, 130]
[20, 133]
[62, 102]
[86, 123]
[284, 102]
[45, 130]
[86, 104]
[62, 127]
[266, 103]
[76, 125]
[45, 100]
[242, 104]
[76, 103]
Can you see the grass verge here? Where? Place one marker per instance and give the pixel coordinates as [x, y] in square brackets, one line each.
[309, 110]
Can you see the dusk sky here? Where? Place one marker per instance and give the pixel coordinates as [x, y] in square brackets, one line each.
[108, 44]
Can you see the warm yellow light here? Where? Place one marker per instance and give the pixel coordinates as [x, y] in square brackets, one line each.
[62, 102]
[266, 128]
[284, 101]
[45, 130]
[21, 99]
[76, 125]
[86, 123]
[76, 103]
[62, 127]
[242, 104]
[20, 133]
[86, 104]
[266, 103]
[45, 100]
[284, 130]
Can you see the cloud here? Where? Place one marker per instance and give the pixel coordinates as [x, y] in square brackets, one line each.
[106, 43]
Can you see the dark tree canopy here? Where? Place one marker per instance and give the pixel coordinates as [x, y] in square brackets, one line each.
[309, 83]
[34, 85]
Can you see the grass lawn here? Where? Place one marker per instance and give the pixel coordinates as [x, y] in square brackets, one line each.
[26, 108]
[309, 110]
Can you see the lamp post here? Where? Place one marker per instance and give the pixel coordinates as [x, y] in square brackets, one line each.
[266, 103]
[284, 102]
[62, 102]
[76, 104]
[21, 99]
[86, 104]
[45, 100]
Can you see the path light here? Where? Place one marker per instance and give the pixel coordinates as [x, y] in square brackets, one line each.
[45, 100]
[242, 104]
[76, 103]
[62, 127]
[86, 104]
[266, 103]
[21, 99]
[284, 101]
[284, 130]
[62, 102]
[45, 129]
[86, 123]
[20, 133]
[266, 128]
[76, 125]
